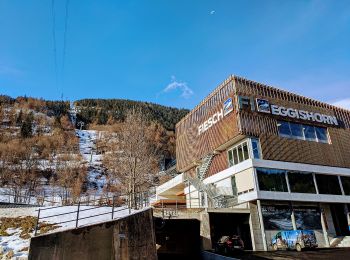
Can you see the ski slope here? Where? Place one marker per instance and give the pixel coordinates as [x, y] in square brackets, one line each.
[87, 147]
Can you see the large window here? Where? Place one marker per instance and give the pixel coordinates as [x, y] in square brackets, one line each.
[296, 130]
[301, 182]
[272, 180]
[250, 148]
[256, 148]
[346, 184]
[328, 184]
[278, 217]
[309, 132]
[321, 134]
[238, 154]
[307, 217]
[303, 132]
[284, 129]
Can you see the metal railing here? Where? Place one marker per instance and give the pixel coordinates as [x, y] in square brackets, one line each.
[170, 208]
[19, 199]
[215, 197]
[114, 204]
[36, 199]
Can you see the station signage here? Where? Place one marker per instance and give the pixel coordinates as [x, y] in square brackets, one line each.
[228, 106]
[216, 117]
[264, 106]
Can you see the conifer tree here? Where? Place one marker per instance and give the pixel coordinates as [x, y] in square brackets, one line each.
[27, 126]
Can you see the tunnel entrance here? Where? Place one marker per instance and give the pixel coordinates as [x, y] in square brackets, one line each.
[177, 238]
[229, 224]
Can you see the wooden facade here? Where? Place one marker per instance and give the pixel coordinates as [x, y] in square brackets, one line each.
[192, 147]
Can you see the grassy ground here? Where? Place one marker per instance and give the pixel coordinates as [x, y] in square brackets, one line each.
[26, 224]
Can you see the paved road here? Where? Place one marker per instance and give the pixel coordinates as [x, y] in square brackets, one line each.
[334, 254]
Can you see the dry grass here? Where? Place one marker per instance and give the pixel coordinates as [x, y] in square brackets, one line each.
[26, 225]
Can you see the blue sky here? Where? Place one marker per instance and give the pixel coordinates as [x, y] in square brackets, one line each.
[173, 52]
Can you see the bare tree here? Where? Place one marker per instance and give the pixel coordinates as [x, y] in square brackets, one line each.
[19, 168]
[2, 114]
[70, 176]
[131, 157]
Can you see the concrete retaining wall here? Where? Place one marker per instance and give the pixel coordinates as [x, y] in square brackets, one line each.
[131, 237]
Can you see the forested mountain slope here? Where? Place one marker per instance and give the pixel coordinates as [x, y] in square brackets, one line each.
[110, 111]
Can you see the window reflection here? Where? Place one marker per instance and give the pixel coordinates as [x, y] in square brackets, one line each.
[346, 184]
[272, 180]
[321, 134]
[309, 132]
[328, 184]
[296, 130]
[283, 129]
[241, 152]
[303, 132]
[256, 149]
[301, 182]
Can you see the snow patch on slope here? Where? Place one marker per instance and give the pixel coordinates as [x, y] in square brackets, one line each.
[87, 146]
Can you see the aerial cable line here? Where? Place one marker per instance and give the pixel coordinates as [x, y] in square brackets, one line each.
[65, 40]
[59, 64]
[54, 40]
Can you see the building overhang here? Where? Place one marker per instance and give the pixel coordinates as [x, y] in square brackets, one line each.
[286, 196]
[229, 210]
[259, 163]
[177, 186]
[292, 196]
[173, 187]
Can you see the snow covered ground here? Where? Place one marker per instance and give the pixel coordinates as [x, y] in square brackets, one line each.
[95, 176]
[87, 216]
[14, 243]
[87, 146]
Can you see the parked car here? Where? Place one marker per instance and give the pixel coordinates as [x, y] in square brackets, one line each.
[227, 244]
[294, 239]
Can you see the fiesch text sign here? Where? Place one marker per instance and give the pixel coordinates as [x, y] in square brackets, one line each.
[216, 117]
[264, 107]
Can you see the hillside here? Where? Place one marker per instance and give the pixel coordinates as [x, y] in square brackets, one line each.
[50, 108]
[110, 111]
[38, 141]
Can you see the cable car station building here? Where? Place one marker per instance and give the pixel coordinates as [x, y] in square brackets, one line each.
[258, 160]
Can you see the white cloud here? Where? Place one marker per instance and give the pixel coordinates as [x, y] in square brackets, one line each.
[186, 91]
[344, 103]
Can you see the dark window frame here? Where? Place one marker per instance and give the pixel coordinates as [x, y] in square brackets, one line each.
[345, 180]
[266, 177]
[299, 185]
[326, 184]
